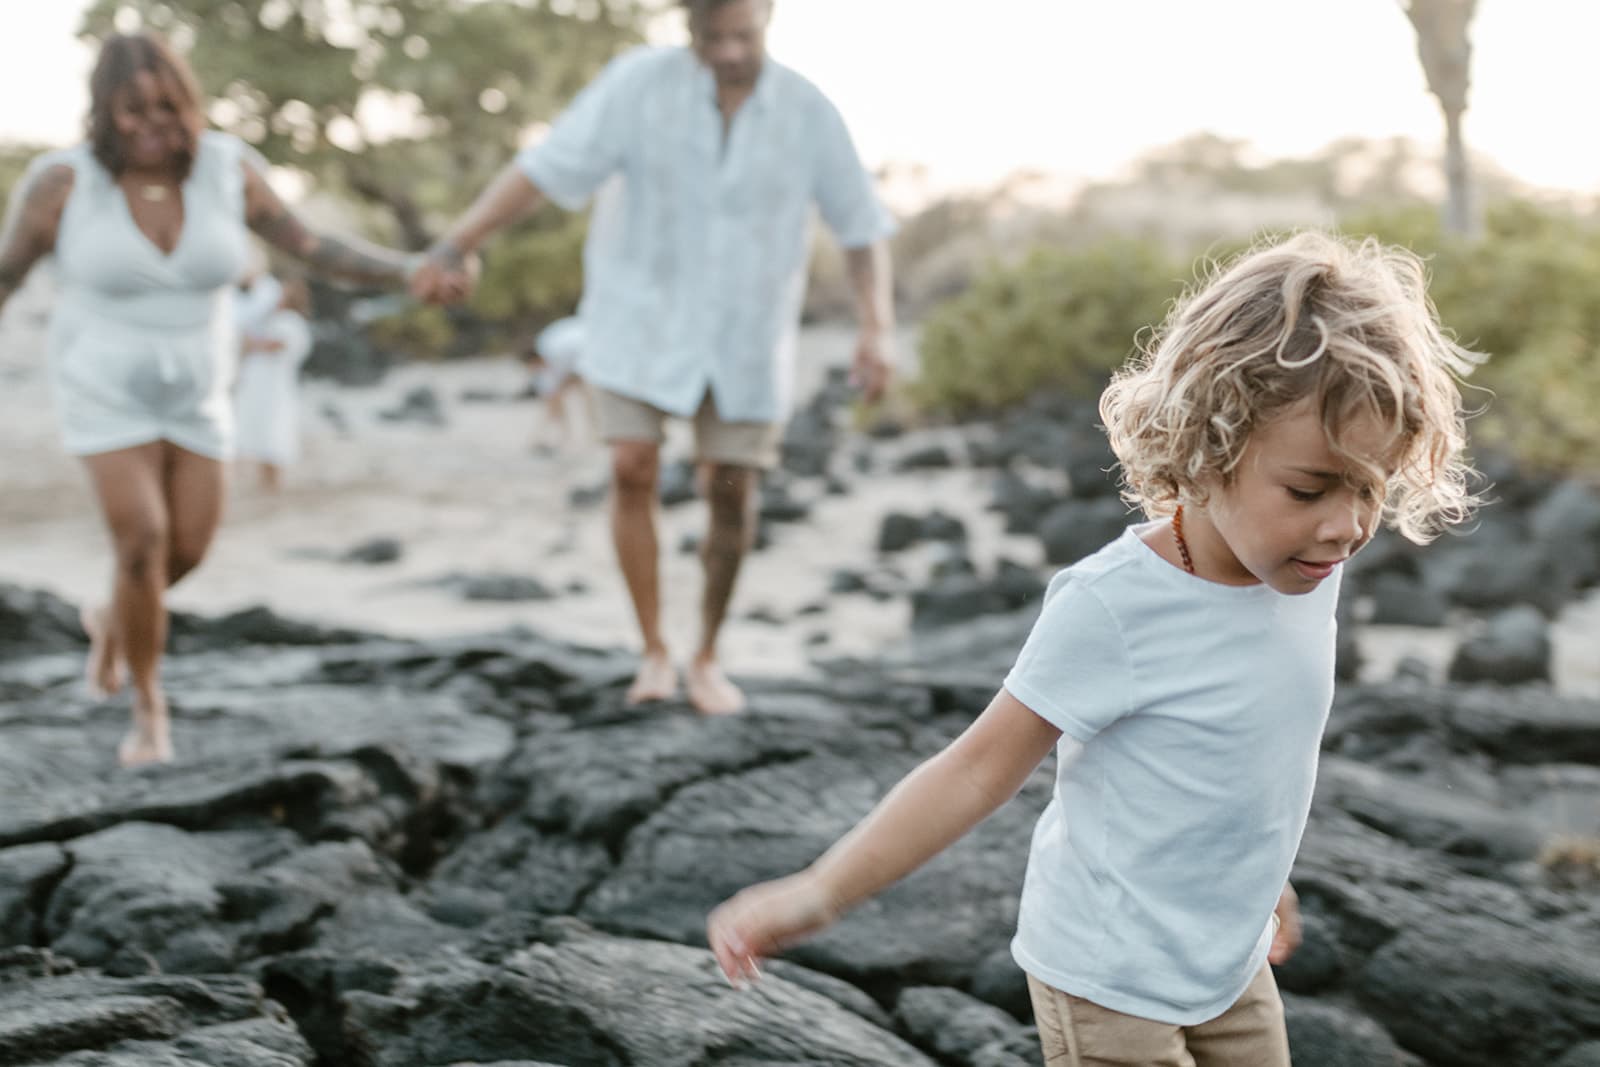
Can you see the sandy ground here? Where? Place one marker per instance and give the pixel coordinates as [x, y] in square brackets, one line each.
[475, 496]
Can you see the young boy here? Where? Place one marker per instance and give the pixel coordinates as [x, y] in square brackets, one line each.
[1183, 674]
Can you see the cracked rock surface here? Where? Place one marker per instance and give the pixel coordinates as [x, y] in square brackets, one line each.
[463, 852]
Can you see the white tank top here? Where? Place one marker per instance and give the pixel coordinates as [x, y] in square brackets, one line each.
[141, 341]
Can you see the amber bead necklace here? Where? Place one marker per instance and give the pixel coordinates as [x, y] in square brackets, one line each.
[1183, 546]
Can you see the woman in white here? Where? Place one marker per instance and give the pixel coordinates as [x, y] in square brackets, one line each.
[273, 343]
[149, 222]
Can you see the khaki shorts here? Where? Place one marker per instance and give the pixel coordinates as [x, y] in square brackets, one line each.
[1078, 1033]
[739, 444]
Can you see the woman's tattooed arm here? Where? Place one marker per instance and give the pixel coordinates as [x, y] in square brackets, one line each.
[345, 259]
[31, 221]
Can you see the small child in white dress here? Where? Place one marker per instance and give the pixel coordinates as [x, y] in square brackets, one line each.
[552, 362]
[274, 342]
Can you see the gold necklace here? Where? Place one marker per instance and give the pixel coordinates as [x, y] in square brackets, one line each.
[153, 192]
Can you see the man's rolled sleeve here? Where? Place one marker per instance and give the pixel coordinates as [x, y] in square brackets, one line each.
[585, 145]
[844, 190]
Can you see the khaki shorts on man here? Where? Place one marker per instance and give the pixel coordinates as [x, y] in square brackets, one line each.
[738, 444]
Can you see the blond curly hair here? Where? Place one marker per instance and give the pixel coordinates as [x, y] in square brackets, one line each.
[1343, 323]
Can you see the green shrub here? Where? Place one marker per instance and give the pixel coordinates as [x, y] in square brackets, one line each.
[421, 331]
[534, 275]
[1527, 294]
[1545, 410]
[1061, 319]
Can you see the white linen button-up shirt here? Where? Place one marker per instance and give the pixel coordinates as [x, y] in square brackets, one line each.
[696, 261]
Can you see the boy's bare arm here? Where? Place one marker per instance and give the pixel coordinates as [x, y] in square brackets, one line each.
[930, 809]
[1286, 938]
[936, 804]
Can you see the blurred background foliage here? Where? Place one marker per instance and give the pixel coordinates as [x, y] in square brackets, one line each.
[1526, 292]
[397, 112]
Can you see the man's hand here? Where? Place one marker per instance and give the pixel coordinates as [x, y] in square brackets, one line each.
[1287, 938]
[873, 365]
[445, 275]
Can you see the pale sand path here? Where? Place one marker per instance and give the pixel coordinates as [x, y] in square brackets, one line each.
[471, 497]
[474, 497]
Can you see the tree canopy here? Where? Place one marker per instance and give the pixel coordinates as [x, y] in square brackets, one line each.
[408, 105]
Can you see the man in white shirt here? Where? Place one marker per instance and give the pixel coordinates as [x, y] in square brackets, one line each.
[712, 160]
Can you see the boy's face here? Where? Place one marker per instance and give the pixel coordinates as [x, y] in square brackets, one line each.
[1294, 508]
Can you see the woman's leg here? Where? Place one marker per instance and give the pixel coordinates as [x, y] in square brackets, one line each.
[195, 488]
[191, 490]
[103, 674]
[129, 484]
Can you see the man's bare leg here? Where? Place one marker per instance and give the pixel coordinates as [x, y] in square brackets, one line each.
[730, 492]
[635, 470]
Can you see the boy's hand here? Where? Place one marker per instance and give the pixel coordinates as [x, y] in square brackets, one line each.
[1287, 938]
[759, 921]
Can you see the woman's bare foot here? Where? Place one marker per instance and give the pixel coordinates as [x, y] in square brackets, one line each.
[102, 672]
[149, 739]
[657, 679]
[710, 691]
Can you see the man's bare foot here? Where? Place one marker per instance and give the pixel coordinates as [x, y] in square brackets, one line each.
[711, 692]
[657, 679]
[149, 739]
[102, 672]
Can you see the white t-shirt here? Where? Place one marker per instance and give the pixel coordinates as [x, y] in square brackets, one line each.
[1193, 714]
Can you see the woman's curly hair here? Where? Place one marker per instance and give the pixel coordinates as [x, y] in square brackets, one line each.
[1346, 324]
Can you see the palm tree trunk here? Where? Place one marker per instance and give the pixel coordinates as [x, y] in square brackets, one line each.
[1460, 214]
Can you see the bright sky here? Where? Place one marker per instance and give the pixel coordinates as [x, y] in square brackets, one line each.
[1079, 87]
